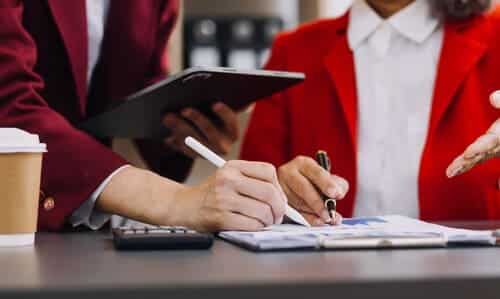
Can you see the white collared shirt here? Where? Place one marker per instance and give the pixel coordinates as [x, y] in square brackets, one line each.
[396, 64]
[97, 13]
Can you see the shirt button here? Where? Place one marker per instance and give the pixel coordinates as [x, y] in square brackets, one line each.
[49, 203]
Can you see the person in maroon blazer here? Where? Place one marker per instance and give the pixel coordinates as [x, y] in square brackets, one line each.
[64, 61]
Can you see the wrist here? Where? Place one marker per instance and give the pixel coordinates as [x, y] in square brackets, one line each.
[185, 206]
[140, 195]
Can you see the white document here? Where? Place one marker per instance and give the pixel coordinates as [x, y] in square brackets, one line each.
[366, 232]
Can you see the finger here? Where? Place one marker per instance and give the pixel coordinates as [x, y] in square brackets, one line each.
[495, 99]
[307, 192]
[455, 167]
[250, 207]
[461, 165]
[312, 219]
[180, 130]
[338, 219]
[332, 186]
[296, 202]
[229, 118]
[343, 186]
[316, 221]
[217, 141]
[482, 146]
[258, 170]
[234, 221]
[265, 193]
[495, 127]
[319, 177]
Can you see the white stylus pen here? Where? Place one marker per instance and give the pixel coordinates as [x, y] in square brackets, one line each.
[212, 157]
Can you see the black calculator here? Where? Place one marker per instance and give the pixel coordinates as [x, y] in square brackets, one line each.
[160, 238]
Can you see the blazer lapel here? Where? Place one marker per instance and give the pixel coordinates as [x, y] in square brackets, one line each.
[340, 65]
[458, 57]
[71, 19]
[127, 45]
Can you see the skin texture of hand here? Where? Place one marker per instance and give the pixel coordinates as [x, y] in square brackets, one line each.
[484, 148]
[239, 196]
[302, 180]
[193, 123]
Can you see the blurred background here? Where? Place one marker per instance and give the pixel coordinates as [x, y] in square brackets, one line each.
[234, 33]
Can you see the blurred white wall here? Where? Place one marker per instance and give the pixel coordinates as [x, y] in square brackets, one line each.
[333, 8]
[287, 9]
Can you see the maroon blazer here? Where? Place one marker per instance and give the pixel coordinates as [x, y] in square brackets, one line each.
[43, 88]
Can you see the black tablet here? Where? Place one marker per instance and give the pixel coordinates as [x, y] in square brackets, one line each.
[140, 114]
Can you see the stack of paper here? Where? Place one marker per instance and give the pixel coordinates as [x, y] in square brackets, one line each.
[358, 233]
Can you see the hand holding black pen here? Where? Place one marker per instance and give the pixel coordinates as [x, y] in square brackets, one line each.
[330, 203]
[304, 182]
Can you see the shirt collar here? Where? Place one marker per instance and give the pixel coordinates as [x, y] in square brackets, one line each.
[416, 22]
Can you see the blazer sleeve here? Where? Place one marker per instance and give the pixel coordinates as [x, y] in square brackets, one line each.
[267, 137]
[165, 162]
[75, 163]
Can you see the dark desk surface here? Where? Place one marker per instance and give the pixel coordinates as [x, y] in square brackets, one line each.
[85, 265]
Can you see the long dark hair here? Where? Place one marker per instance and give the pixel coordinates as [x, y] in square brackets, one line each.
[462, 9]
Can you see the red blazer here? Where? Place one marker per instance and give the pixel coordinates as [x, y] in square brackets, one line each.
[43, 88]
[321, 113]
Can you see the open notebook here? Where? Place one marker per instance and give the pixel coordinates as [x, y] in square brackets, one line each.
[374, 232]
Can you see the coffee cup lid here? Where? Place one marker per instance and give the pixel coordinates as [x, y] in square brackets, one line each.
[14, 140]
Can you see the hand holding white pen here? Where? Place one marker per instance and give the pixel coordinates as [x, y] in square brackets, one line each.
[257, 190]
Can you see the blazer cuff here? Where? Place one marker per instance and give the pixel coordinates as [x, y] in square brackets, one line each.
[87, 214]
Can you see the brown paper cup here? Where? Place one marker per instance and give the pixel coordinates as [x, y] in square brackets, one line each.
[20, 171]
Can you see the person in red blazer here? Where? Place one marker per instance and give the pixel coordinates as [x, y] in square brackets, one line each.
[45, 89]
[322, 113]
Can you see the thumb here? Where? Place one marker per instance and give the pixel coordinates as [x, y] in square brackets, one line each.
[495, 99]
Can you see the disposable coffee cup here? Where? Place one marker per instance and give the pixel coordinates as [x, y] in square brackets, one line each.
[20, 172]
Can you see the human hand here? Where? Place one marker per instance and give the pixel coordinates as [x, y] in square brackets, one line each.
[301, 179]
[484, 148]
[193, 123]
[239, 196]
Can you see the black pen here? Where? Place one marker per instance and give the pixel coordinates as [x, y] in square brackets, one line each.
[330, 203]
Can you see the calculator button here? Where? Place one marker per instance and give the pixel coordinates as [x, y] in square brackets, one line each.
[157, 231]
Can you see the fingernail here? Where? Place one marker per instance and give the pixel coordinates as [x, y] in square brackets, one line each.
[332, 192]
[326, 217]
